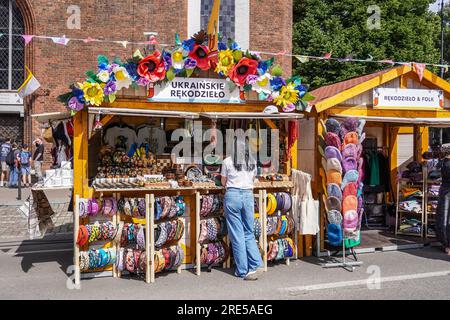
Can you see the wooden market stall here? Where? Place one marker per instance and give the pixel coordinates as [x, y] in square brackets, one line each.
[398, 105]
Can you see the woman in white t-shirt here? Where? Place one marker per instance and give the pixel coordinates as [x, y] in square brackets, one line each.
[238, 174]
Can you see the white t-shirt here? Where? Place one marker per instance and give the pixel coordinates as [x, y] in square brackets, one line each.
[237, 179]
[120, 137]
[154, 136]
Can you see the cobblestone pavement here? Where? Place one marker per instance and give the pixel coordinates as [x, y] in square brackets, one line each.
[14, 224]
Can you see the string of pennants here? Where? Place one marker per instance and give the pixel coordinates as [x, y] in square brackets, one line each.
[418, 67]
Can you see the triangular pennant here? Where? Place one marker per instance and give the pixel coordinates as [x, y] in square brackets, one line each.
[419, 68]
[152, 40]
[328, 55]
[60, 40]
[27, 38]
[281, 53]
[124, 43]
[370, 58]
[138, 54]
[302, 59]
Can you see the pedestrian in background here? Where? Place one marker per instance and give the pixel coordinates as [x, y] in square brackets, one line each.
[443, 208]
[5, 148]
[13, 162]
[38, 157]
[25, 165]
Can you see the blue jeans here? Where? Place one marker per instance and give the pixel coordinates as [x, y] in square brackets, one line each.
[13, 176]
[239, 213]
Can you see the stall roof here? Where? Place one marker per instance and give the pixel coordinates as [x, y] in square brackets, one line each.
[144, 112]
[51, 116]
[334, 94]
[250, 115]
[411, 121]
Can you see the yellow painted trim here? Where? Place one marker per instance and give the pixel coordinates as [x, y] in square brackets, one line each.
[360, 88]
[367, 112]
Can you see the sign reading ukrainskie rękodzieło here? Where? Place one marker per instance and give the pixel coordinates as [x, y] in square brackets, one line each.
[410, 99]
[196, 90]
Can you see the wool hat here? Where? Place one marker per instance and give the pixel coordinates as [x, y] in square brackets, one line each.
[333, 152]
[332, 125]
[350, 176]
[349, 163]
[349, 203]
[351, 189]
[334, 217]
[334, 176]
[350, 220]
[350, 150]
[351, 137]
[334, 233]
[332, 139]
[334, 164]
[334, 190]
[333, 203]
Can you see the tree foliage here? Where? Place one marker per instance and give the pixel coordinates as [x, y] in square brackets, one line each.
[408, 32]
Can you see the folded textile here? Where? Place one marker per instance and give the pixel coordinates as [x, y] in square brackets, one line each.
[411, 206]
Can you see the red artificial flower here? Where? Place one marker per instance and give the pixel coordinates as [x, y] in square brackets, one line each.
[201, 55]
[244, 68]
[152, 67]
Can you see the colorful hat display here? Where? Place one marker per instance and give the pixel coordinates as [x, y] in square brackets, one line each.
[351, 189]
[334, 232]
[349, 203]
[349, 163]
[334, 176]
[350, 220]
[350, 151]
[334, 164]
[334, 216]
[333, 152]
[333, 203]
[351, 137]
[332, 125]
[334, 190]
[332, 139]
[350, 176]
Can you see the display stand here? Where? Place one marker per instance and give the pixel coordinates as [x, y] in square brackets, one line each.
[400, 213]
[429, 215]
[350, 266]
[198, 245]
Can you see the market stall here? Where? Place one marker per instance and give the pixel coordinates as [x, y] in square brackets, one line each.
[388, 115]
[146, 182]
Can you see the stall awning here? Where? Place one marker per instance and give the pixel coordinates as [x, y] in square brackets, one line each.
[144, 112]
[51, 116]
[412, 121]
[250, 115]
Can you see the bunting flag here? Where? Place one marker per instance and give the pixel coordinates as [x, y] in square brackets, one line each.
[123, 43]
[302, 59]
[27, 38]
[327, 56]
[88, 39]
[370, 58]
[281, 53]
[419, 68]
[30, 85]
[60, 40]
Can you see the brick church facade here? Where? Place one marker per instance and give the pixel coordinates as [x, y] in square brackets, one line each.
[259, 25]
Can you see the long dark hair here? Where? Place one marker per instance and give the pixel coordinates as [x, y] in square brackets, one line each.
[250, 162]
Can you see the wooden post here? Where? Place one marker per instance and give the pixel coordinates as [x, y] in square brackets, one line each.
[148, 232]
[115, 221]
[151, 230]
[76, 248]
[198, 264]
[263, 215]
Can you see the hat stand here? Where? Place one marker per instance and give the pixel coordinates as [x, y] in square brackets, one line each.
[347, 265]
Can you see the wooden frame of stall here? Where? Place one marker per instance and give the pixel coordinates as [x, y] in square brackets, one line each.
[417, 120]
[83, 123]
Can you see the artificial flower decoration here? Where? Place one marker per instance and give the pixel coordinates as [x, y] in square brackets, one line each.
[152, 68]
[242, 70]
[177, 60]
[123, 79]
[262, 84]
[287, 96]
[200, 55]
[93, 93]
[103, 76]
[226, 62]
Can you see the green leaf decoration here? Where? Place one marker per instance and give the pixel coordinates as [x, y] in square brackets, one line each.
[277, 71]
[117, 61]
[270, 62]
[247, 87]
[102, 59]
[308, 97]
[170, 74]
[72, 113]
[189, 72]
[177, 39]
[112, 98]
[106, 99]
[138, 54]
[302, 106]
[64, 98]
[134, 85]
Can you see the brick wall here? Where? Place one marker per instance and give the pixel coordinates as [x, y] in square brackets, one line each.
[57, 67]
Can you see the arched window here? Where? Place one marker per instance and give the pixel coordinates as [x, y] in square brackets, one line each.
[227, 17]
[11, 46]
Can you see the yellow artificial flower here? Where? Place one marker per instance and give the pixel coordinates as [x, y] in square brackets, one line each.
[93, 93]
[177, 60]
[226, 61]
[288, 95]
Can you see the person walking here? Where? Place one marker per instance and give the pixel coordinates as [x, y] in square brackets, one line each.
[25, 165]
[238, 174]
[443, 208]
[5, 148]
[13, 162]
[38, 157]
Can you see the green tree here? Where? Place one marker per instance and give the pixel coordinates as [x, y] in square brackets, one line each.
[408, 32]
